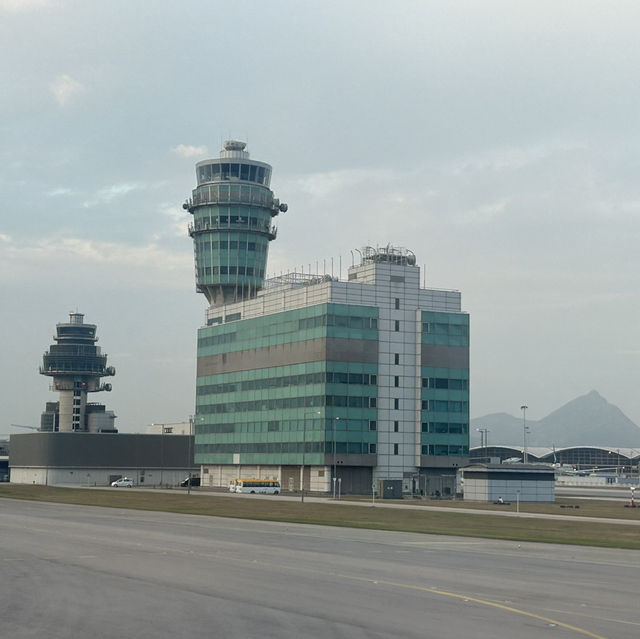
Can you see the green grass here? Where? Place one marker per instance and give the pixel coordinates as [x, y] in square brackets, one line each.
[574, 531]
[562, 506]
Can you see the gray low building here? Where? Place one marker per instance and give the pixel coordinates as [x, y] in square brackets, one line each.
[509, 482]
[96, 459]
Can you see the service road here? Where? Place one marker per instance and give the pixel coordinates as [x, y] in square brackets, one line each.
[78, 571]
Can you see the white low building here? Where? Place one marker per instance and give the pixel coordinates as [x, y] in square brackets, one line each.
[509, 482]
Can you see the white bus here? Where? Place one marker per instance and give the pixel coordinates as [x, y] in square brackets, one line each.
[265, 486]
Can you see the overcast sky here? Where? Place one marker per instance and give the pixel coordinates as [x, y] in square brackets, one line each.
[498, 140]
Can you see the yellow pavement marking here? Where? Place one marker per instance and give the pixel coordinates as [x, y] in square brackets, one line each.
[483, 602]
[582, 614]
[436, 591]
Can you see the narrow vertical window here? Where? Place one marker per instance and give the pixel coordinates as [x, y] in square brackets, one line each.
[396, 404]
[396, 358]
[397, 303]
[396, 426]
[397, 326]
[395, 449]
[396, 381]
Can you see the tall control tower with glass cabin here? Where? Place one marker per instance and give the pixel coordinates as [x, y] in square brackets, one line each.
[233, 210]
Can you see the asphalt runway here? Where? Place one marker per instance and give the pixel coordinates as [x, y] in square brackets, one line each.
[77, 571]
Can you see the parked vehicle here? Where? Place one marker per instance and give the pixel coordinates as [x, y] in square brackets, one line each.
[123, 482]
[195, 481]
[264, 486]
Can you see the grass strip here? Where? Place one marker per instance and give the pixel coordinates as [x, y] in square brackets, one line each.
[574, 531]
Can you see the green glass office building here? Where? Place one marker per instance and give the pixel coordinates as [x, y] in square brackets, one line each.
[322, 383]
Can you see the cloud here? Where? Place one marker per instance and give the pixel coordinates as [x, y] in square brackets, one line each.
[109, 193]
[65, 88]
[60, 190]
[189, 151]
[483, 214]
[178, 222]
[14, 6]
[5, 238]
[91, 261]
[326, 184]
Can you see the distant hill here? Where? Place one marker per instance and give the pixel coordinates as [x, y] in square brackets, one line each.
[589, 420]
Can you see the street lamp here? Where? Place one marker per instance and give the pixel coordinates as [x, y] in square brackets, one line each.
[484, 439]
[190, 462]
[335, 474]
[523, 408]
[304, 450]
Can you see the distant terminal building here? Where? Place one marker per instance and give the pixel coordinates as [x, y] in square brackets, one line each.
[76, 365]
[619, 458]
[313, 381]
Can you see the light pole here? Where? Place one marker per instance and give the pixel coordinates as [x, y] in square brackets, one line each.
[335, 476]
[304, 450]
[484, 439]
[162, 454]
[523, 408]
[304, 445]
[190, 463]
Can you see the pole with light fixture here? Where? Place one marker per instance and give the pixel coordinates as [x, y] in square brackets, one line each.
[523, 408]
[304, 450]
[335, 473]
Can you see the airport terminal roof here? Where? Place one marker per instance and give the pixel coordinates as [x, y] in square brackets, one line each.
[547, 454]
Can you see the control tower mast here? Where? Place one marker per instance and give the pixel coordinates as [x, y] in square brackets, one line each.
[76, 365]
[232, 209]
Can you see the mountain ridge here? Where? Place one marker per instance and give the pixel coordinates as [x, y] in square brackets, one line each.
[588, 420]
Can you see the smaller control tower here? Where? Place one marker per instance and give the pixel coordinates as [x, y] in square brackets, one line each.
[76, 365]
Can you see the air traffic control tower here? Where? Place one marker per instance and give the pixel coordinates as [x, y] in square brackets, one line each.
[233, 208]
[76, 365]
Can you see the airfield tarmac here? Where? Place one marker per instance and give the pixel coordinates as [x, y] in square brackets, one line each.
[78, 571]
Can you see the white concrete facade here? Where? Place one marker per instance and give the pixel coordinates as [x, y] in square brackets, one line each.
[510, 490]
[174, 428]
[96, 476]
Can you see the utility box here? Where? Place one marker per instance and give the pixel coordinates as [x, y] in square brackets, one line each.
[390, 488]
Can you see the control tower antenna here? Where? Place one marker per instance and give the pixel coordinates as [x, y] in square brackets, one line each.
[76, 365]
[232, 208]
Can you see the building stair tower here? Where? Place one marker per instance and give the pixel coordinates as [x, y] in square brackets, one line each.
[233, 208]
[76, 365]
